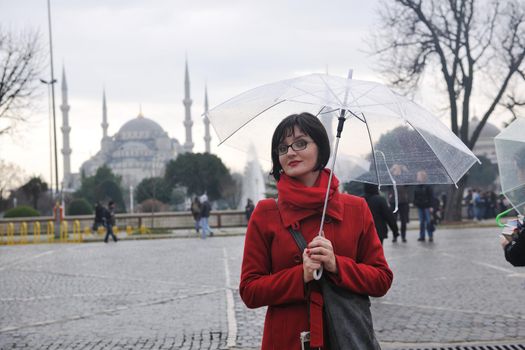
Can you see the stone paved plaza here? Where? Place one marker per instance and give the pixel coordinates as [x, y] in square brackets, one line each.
[182, 294]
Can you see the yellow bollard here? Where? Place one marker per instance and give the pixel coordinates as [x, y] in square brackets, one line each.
[10, 233]
[77, 233]
[64, 231]
[50, 232]
[23, 233]
[143, 230]
[101, 230]
[129, 230]
[1, 234]
[36, 232]
[87, 230]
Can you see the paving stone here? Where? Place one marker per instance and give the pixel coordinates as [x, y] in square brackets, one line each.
[171, 294]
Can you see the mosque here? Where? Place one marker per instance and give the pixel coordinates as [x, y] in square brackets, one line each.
[140, 148]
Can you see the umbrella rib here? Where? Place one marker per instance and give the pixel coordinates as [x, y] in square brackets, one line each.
[513, 188]
[423, 137]
[373, 151]
[331, 91]
[249, 120]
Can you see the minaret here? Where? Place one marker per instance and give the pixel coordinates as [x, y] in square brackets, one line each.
[207, 137]
[66, 150]
[104, 116]
[105, 142]
[188, 123]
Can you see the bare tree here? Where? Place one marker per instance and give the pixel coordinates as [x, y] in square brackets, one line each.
[472, 47]
[20, 64]
[11, 177]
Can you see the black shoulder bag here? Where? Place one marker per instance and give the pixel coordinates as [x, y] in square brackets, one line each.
[347, 314]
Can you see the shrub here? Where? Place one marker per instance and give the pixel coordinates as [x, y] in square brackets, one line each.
[152, 205]
[79, 206]
[21, 212]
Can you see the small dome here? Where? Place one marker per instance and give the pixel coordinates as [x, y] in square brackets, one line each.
[489, 130]
[141, 124]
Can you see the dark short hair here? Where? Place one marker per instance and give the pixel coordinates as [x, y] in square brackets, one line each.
[312, 127]
[110, 203]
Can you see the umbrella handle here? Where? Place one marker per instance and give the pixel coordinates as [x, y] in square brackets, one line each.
[318, 273]
[501, 215]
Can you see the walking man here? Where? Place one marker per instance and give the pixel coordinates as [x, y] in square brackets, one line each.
[205, 214]
[110, 221]
[423, 197]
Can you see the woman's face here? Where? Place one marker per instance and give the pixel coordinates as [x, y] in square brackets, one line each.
[300, 164]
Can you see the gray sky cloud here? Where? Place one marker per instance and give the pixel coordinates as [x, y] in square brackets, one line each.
[137, 49]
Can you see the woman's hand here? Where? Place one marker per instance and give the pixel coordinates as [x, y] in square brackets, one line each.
[320, 250]
[309, 266]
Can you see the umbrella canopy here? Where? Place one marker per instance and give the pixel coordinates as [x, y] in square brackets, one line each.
[387, 139]
[510, 150]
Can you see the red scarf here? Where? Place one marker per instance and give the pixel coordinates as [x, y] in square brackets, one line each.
[297, 202]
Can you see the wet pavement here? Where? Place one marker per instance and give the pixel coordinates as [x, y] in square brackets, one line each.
[182, 294]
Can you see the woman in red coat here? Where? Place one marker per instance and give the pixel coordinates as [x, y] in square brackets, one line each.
[274, 272]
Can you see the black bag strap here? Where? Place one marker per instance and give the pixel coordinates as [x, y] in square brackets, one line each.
[297, 236]
[299, 239]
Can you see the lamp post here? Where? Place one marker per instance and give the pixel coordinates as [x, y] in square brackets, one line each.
[53, 92]
[49, 83]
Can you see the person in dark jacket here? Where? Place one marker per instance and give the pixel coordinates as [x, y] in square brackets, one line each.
[248, 209]
[381, 212]
[205, 214]
[196, 212]
[515, 249]
[423, 199]
[109, 216]
[402, 209]
[99, 216]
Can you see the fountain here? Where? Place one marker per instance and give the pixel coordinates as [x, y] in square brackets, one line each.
[253, 183]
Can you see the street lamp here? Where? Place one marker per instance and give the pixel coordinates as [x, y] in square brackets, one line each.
[49, 83]
[52, 81]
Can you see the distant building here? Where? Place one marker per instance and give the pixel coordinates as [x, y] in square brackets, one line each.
[140, 149]
[485, 144]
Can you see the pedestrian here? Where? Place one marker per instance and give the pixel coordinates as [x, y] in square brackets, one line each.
[248, 209]
[514, 248]
[470, 204]
[476, 200]
[492, 200]
[381, 213]
[99, 217]
[196, 212]
[275, 273]
[205, 214]
[109, 220]
[423, 200]
[403, 201]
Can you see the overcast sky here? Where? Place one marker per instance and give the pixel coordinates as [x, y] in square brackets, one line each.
[137, 49]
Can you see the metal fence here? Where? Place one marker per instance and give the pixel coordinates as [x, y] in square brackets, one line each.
[151, 221]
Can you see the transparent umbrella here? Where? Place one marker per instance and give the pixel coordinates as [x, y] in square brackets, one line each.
[393, 137]
[510, 150]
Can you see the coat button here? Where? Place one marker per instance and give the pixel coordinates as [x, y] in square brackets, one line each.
[297, 258]
[328, 220]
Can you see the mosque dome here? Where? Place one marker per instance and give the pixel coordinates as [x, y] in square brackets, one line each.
[489, 130]
[140, 124]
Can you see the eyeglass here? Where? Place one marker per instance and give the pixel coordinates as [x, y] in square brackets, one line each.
[298, 145]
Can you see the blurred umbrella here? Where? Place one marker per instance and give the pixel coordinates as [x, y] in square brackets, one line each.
[510, 150]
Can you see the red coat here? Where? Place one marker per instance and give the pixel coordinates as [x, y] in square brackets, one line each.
[272, 272]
